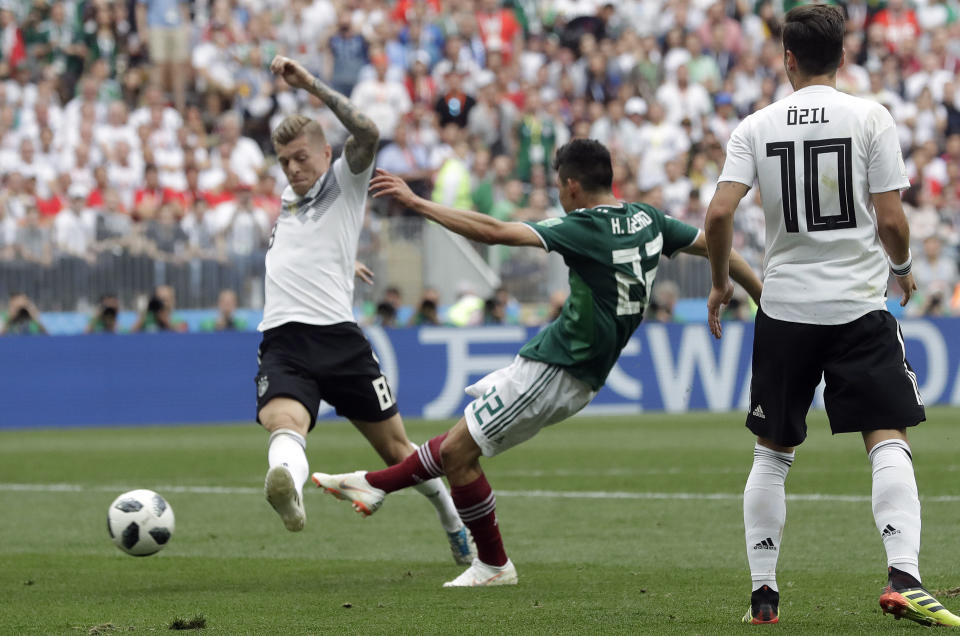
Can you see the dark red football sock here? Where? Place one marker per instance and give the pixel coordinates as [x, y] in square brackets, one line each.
[418, 467]
[478, 509]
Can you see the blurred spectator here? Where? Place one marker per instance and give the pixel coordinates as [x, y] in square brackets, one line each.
[408, 160]
[936, 276]
[34, 242]
[386, 315]
[74, 226]
[535, 137]
[494, 313]
[467, 309]
[158, 315]
[22, 317]
[898, 23]
[676, 190]
[454, 104]
[614, 129]
[426, 314]
[383, 100]
[166, 235]
[452, 185]
[664, 301]
[226, 319]
[499, 29]
[506, 208]
[491, 119]
[724, 118]
[738, 308]
[155, 317]
[419, 83]
[105, 320]
[683, 100]
[392, 297]
[658, 141]
[245, 157]
[163, 25]
[148, 199]
[348, 55]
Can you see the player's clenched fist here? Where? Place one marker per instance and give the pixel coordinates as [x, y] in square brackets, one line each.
[292, 72]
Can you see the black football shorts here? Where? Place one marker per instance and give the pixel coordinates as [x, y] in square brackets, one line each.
[334, 363]
[869, 383]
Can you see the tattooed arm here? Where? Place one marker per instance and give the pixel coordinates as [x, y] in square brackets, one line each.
[361, 146]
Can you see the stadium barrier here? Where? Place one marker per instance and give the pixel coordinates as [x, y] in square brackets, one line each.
[140, 379]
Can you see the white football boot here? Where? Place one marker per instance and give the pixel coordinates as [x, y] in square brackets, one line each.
[352, 487]
[282, 494]
[482, 575]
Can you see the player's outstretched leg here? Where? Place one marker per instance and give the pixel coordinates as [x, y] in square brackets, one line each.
[352, 487]
[284, 481]
[905, 597]
[477, 506]
[764, 607]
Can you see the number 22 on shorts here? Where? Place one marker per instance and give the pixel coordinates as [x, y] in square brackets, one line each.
[489, 402]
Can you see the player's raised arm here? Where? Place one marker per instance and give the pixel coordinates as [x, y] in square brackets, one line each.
[361, 146]
[718, 229]
[472, 225]
[894, 232]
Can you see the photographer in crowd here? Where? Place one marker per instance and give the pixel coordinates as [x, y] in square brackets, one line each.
[105, 320]
[22, 317]
[158, 315]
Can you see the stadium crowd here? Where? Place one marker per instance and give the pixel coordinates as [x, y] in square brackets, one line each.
[135, 134]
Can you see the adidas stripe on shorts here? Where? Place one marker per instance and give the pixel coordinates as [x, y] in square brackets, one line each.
[512, 404]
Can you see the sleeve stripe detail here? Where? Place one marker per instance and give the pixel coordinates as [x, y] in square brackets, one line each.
[735, 179]
[695, 237]
[539, 236]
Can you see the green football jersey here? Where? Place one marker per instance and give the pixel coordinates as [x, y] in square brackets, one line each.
[612, 253]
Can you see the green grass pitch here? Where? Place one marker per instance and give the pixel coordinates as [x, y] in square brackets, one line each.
[617, 525]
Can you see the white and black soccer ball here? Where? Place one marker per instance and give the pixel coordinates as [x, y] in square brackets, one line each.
[140, 522]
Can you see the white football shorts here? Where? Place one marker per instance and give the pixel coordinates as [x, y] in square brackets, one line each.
[512, 404]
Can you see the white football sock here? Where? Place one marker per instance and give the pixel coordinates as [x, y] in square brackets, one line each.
[286, 448]
[896, 505]
[439, 496]
[764, 513]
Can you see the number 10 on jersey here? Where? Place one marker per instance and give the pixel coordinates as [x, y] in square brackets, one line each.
[813, 179]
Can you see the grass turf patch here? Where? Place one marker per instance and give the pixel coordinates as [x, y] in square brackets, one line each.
[617, 526]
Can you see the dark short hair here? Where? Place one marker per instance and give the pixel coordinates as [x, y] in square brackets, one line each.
[586, 161]
[814, 33]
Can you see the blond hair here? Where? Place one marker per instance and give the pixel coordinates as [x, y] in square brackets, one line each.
[293, 126]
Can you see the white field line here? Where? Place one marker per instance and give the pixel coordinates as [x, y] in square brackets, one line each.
[543, 494]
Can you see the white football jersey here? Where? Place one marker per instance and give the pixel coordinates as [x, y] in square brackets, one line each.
[310, 260]
[818, 155]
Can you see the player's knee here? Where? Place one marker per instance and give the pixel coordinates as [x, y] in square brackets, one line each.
[274, 418]
[455, 457]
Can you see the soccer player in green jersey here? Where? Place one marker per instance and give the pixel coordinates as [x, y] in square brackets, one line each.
[613, 249]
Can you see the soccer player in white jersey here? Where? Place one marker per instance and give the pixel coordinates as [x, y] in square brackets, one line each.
[312, 349]
[613, 249]
[830, 174]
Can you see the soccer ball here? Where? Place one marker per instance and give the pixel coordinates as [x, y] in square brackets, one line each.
[140, 522]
